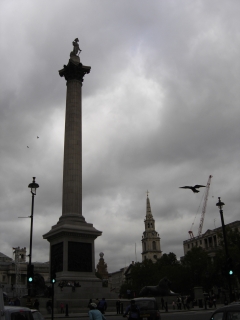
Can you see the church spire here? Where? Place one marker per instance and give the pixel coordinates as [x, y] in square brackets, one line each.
[148, 210]
[151, 248]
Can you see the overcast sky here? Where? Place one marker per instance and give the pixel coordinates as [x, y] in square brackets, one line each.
[160, 111]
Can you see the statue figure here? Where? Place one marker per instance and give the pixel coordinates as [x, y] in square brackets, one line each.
[162, 289]
[76, 50]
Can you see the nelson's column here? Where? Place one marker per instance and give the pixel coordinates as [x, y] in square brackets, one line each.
[72, 238]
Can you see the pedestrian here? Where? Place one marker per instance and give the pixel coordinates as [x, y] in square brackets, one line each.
[133, 311]
[11, 302]
[162, 303]
[188, 302]
[36, 304]
[179, 303]
[173, 305]
[49, 306]
[62, 307]
[61, 285]
[121, 307]
[118, 306]
[166, 306]
[94, 313]
[102, 305]
[17, 302]
[214, 302]
[89, 302]
[185, 303]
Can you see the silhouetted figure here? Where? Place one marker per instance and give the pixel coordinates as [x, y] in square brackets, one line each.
[162, 303]
[102, 305]
[133, 311]
[118, 306]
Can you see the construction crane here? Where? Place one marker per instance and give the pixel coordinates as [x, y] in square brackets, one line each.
[203, 209]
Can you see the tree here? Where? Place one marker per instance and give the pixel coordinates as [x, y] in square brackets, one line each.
[199, 267]
[168, 259]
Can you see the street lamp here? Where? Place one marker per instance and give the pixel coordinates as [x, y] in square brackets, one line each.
[30, 272]
[220, 205]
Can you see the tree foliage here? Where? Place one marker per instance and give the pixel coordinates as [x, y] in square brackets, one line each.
[195, 269]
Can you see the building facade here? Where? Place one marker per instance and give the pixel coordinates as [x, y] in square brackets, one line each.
[116, 279]
[209, 241]
[13, 272]
[151, 248]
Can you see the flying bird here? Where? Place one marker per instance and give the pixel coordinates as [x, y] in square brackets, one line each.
[37, 137]
[27, 146]
[194, 189]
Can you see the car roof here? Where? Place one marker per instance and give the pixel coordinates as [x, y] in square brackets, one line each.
[144, 298]
[16, 308]
[229, 307]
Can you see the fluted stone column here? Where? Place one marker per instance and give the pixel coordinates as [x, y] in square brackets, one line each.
[72, 169]
[72, 253]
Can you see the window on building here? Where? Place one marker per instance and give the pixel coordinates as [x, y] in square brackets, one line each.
[154, 245]
[210, 241]
[205, 243]
[188, 246]
[155, 257]
[201, 242]
[215, 240]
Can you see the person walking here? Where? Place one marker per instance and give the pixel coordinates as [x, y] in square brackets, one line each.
[94, 313]
[102, 305]
[36, 304]
[133, 311]
[89, 302]
[163, 304]
[118, 306]
[49, 306]
[62, 307]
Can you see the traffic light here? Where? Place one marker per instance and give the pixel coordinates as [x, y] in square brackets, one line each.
[53, 276]
[230, 270]
[30, 273]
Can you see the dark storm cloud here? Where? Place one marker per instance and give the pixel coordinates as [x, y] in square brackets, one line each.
[160, 110]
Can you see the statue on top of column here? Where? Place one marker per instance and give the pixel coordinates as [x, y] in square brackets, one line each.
[76, 50]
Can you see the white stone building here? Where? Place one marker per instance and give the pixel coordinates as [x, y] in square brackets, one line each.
[209, 240]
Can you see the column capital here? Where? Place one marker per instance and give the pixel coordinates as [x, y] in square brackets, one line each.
[74, 71]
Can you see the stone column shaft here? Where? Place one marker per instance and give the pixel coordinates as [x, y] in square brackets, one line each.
[72, 167]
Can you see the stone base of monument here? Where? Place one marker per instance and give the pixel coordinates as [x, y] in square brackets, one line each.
[78, 298]
[76, 304]
[86, 290]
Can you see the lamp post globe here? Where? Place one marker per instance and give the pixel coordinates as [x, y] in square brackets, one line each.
[33, 186]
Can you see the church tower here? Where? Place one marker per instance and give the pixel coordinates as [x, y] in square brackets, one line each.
[151, 248]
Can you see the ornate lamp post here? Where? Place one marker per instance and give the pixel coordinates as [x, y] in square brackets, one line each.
[33, 187]
[220, 205]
